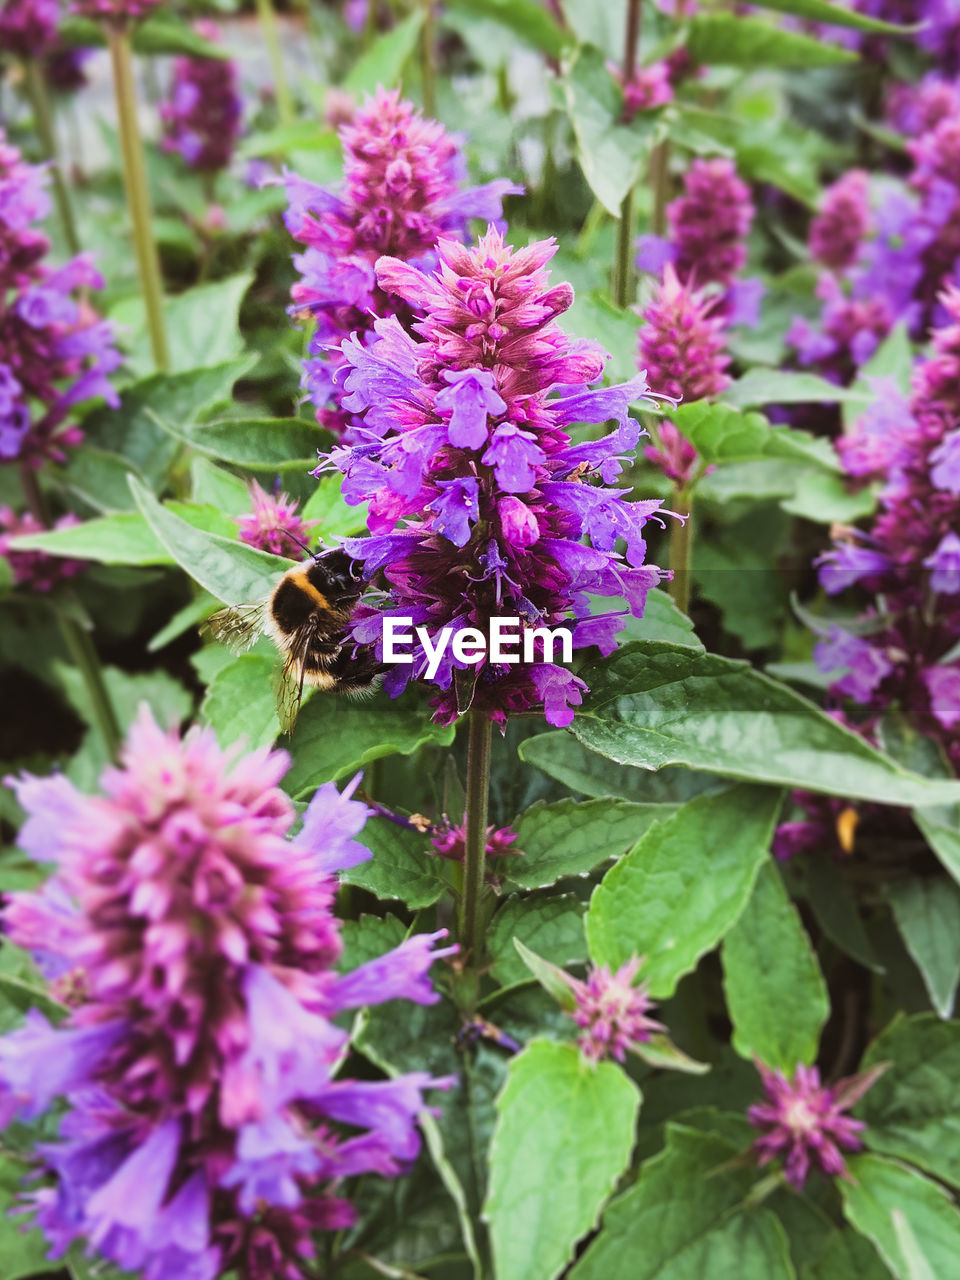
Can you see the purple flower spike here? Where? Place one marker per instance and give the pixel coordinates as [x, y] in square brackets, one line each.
[197, 1061]
[401, 193]
[478, 498]
[804, 1123]
[203, 116]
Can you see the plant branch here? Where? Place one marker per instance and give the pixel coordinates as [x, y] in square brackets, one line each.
[475, 820]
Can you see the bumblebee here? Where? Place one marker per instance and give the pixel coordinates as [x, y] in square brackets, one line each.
[306, 616]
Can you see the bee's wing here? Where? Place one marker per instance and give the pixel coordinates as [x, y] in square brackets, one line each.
[290, 687]
[238, 627]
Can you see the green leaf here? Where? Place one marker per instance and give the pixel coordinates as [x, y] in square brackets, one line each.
[402, 867]
[204, 318]
[732, 40]
[22, 1252]
[680, 1222]
[335, 737]
[824, 11]
[337, 519]
[721, 433]
[232, 571]
[881, 1187]
[552, 927]
[847, 1253]
[570, 838]
[610, 154]
[550, 976]
[941, 830]
[683, 886]
[164, 34]
[825, 499]
[122, 538]
[383, 62]
[835, 906]
[270, 444]
[661, 620]
[775, 992]
[133, 431]
[563, 1137]
[166, 697]
[927, 912]
[367, 939]
[913, 1110]
[241, 702]
[217, 487]
[525, 18]
[652, 705]
[761, 386]
[562, 757]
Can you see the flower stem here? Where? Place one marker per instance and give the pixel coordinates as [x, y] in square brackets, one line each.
[475, 821]
[623, 263]
[428, 74]
[86, 660]
[138, 193]
[43, 119]
[660, 181]
[681, 542]
[271, 36]
[78, 642]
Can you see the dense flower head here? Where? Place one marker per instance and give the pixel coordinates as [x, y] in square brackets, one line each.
[204, 1121]
[682, 342]
[28, 28]
[650, 86]
[35, 569]
[709, 223]
[838, 229]
[612, 1011]
[55, 352]
[803, 1123]
[121, 12]
[64, 67]
[478, 496]
[203, 116]
[451, 842]
[274, 525]
[849, 332]
[910, 556]
[402, 190]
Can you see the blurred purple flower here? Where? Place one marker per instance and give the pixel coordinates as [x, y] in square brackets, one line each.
[274, 524]
[203, 116]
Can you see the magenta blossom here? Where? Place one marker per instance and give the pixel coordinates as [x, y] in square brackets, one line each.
[199, 1063]
[203, 116]
[838, 230]
[804, 1123]
[28, 28]
[116, 12]
[611, 1011]
[682, 342]
[35, 569]
[274, 524]
[402, 191]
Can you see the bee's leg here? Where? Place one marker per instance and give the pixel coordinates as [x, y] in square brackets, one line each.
[355, 670]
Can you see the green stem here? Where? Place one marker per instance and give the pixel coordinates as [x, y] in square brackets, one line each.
[681, 542]
[660, 182]
[623, 265]
[271, 35]
[428, 75]
[475, 855]
[78, 642]
[138, 193]
[43, 119]
[87, 662]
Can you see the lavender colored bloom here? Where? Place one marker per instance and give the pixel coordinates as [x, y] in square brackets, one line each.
[804, 1123]
[203, 116]
[945, 472]
[478, 498]
[54, 351]
[943, 686]
[847, 563]
[944, 564]
[274, 524]
[198, 1065]
[401, 193]
[611, 1011]
[867, 666]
